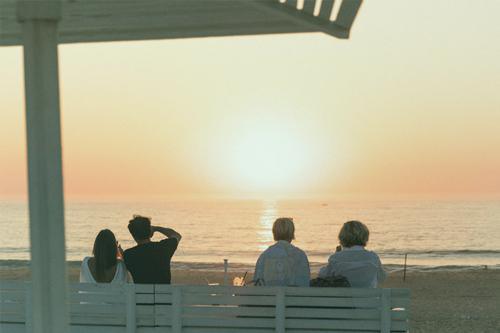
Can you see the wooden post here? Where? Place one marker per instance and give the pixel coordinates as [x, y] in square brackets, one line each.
[280, 310]
[39, 20]
[292, 3]
[404, 269]
[176, 309]
[28, 308]
[385, 311]
[131, 308]
[347, 13]
[309, 6]
[226, 279]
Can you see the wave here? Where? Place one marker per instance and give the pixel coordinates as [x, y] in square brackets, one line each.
[395, 252]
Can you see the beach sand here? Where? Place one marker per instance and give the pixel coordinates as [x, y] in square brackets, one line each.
[441, 301]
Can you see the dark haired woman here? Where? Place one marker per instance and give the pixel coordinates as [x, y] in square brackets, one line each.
[105, 266]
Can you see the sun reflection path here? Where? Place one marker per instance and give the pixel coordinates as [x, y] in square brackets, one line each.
[267, 218]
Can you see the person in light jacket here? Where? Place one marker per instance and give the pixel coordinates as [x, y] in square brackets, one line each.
[361, 267]
[283, 264]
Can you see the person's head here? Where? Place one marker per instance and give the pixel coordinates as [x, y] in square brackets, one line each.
[140, 228]
[354, 233]
[283, 229]
[105, 252]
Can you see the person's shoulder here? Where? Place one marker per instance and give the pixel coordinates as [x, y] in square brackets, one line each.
[167, 241]
[336, 256]
[299, 251]
[167, 245]
[85, 262]
[373, 254]
[129, 250]
[267, 252]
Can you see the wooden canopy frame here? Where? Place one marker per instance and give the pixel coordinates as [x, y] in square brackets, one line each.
[40, 25]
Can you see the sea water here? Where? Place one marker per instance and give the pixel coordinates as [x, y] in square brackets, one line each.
[434, 234]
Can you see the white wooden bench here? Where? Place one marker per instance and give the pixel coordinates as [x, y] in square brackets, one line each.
[196, 309]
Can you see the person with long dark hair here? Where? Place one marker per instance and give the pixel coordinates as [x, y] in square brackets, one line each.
[106, 264]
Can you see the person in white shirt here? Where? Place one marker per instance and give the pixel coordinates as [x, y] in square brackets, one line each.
[362, 268]
[282, 264]
[106, 266]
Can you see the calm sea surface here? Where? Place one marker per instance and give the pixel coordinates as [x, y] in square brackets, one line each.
[433, 233]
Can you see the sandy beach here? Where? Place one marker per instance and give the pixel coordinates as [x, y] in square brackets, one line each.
[442, 301]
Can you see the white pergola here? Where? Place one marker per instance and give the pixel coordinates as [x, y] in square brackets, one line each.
[40, 25]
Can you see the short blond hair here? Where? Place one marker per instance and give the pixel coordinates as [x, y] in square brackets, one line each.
[284, 229]
[354, 233]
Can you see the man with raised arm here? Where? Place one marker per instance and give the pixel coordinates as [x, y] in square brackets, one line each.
[148, 261]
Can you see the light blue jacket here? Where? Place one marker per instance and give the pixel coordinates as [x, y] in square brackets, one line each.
[362, 268]
[282, 264]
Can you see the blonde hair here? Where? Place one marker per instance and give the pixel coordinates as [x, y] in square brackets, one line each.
[284, 229]
[354, 233]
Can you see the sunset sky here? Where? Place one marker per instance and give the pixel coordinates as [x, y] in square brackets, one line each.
[409, 105]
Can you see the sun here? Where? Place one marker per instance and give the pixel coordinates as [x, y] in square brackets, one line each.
[264, 154]
[269, 159]
[271, 152]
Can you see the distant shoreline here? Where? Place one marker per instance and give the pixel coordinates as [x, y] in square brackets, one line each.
[6, 264]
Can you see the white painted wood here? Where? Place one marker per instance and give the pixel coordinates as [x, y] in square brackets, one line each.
[280, 311]
[329, 325]
[177, 310]
[385, 311]
[366, 302]
[97, 288]
[226, 330]
[333, 313]
[205, 309]
[228, 311]
[400, 302]
[347, 13]
[46, 207]
[163, 298]
[13, 308]
[335, 292]
[309, 6]
[14, 296]
[193, 299]
[87, 21]
[130, 304]
[12, 328]
[223, 290]
[292, 3]
[234, 323]
[326, 9]
[28, 308]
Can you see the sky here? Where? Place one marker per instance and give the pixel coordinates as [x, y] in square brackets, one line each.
[410, 105]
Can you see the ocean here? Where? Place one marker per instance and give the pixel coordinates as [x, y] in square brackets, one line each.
[439, 234]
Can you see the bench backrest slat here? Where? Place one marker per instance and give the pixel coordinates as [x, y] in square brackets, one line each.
[385, 313]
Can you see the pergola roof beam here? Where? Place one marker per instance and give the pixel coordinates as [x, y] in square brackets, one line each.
[111, 20]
